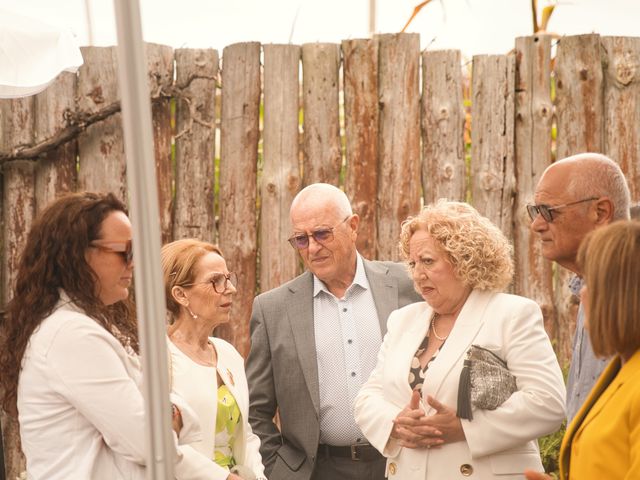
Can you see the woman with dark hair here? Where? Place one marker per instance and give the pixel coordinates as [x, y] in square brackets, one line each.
[69, 343]
[208, 372]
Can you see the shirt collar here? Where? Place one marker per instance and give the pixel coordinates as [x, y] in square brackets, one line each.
[575, 284]
[359, 279]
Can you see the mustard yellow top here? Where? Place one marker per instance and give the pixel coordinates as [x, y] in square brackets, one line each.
[603, 441]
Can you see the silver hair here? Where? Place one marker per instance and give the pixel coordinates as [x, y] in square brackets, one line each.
[325, 193]
[600, 176]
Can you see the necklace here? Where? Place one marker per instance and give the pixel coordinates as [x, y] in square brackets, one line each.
[196, 354]
[433, 328]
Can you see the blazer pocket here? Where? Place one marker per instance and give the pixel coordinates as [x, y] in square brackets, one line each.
[515, 463]
[292, 457]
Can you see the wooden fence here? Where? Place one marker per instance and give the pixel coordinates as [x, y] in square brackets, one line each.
[233, 145]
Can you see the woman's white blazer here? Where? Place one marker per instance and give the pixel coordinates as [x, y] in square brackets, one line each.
[200, 393]
[499, 444]
[81, 408]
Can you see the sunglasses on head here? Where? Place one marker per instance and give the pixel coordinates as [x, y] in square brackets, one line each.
[124, 249]
[545, 211]
[323, 235]
[219, 281]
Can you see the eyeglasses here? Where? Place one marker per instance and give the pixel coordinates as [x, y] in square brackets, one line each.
[300, 241]
[124, 249]
[219, 281]
[545, 210]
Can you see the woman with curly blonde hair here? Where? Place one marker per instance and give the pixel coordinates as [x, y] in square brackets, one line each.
[415, 407]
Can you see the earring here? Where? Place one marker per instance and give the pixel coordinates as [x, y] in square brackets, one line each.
[193, 315]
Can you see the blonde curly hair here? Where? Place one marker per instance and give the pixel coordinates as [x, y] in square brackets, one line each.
[479, 252]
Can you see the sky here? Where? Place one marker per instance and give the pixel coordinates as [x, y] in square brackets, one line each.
[473, 26]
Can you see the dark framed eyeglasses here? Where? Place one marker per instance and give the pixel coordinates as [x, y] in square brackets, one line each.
[546, 211]
[219, 281]
[300, 241]
[124, 249]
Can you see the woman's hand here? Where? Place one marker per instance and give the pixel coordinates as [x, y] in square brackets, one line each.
[446, 421]
[531, 475]
[176, 419]
[411, 429]
[233, 476]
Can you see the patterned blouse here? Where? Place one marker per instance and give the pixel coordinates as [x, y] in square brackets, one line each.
[416, 374]
[227, 419]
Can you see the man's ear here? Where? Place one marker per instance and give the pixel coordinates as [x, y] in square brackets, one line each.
[179, 295]
[604, 211]
[354, 222]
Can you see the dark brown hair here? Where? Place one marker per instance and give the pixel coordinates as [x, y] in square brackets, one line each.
[53, 260]
[610, 261]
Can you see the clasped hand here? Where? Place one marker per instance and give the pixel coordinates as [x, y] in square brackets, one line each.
[414, 429]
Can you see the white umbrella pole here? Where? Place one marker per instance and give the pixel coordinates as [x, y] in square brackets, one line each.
[89, 20]
[143, 199]
[372, 18]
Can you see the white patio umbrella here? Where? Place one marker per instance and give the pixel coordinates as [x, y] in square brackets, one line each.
[32, 54]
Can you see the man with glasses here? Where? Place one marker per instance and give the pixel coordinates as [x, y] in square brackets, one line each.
[574, 196]
[315, 340]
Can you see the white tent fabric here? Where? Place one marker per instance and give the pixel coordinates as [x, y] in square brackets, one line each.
[32, 54]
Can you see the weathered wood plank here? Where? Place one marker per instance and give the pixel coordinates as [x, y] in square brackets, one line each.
[160, 78]
[102, 164]
[56, 170]
[360, 71]
[579, 95]
[17, 121]
[443, 162]
[622, 106]
[281, 178]
[196, 74]
[18, 213]
[492, 141]
[580, 120]
[238, 182]
[534, 114]
[399, 189]
[321, 148]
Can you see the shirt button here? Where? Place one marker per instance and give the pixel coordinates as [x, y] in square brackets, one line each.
[344, 309]
[349, 341]
[353, 374]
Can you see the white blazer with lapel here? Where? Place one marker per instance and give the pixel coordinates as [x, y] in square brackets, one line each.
[246, 448]
[190, 388]
[499, 443]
